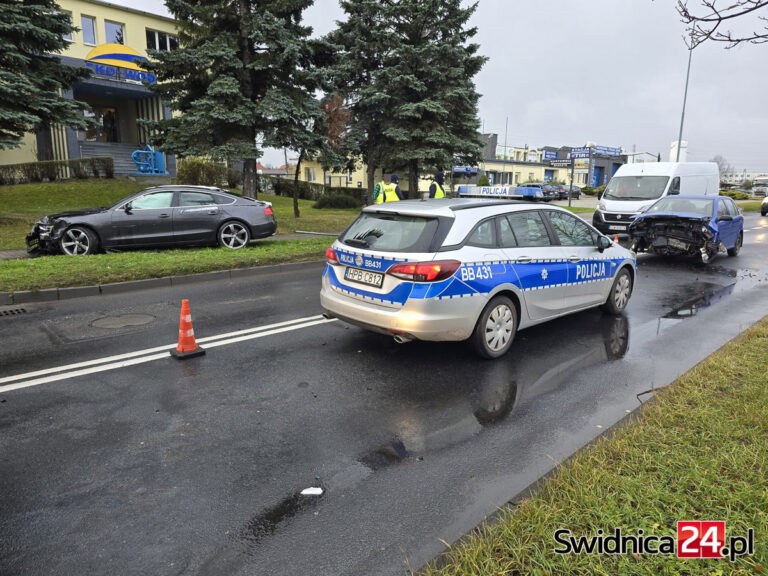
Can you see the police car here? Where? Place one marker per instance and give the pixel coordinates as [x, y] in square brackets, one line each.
[457, 269]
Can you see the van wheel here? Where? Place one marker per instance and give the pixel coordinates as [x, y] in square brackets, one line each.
[495, 329]
[621, 290]
[736, 247]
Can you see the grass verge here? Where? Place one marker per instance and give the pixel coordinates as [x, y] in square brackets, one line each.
[699, 451]
[63, 271]
[23, 204]
[751, 206]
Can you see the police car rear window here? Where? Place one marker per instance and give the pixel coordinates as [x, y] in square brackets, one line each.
[391, 233]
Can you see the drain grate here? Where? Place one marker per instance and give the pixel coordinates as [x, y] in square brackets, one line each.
[13, 312]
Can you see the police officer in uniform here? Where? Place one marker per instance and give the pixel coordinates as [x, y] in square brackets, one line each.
[391, 191]
[436, 189]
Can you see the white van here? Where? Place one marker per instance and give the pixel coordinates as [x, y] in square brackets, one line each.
[634, 187]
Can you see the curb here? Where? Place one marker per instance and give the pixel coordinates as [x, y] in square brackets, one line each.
[54, 294]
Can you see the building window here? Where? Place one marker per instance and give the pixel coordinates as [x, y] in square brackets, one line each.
[349, 177]
[163, 41]
[88, 26]
[530, 176]
[309, 174]
[114, 32]
[68, 35]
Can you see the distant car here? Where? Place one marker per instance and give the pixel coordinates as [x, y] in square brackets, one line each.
[764, 207]
[562, 191]
[689, 225]
[547, 190]
[575, 191]
[159, 216]
[458, 269]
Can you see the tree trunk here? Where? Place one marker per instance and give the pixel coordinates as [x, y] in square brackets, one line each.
[371, 171]
[296, 185]
[413, 179]
[250, 188]
[249, 178]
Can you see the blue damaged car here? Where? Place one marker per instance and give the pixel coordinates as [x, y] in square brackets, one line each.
[700, 226]
[464, 269]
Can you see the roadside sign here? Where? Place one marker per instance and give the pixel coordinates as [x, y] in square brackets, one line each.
[581, 165]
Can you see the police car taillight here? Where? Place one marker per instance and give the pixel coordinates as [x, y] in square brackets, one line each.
[425, 271]
[330, 256]
[268, 211]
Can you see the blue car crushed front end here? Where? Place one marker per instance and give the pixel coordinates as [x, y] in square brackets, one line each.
[675, 233]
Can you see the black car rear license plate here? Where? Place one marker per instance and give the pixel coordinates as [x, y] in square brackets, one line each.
[364, 277]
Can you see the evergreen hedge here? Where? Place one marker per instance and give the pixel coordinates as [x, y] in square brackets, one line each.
[52, 170]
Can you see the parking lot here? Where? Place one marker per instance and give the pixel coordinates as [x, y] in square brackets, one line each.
[117, 458]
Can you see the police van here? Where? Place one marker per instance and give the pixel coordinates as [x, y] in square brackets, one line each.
[463, 268]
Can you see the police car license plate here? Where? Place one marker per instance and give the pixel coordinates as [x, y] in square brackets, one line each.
[680, 245]
[616, 227]
[364, 277]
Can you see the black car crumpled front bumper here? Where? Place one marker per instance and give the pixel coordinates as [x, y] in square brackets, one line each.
[42, 239]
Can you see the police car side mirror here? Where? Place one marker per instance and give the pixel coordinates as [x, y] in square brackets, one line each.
[603, 243]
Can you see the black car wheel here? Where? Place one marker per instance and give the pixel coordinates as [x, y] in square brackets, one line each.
[78, 240]
[495, 329]
[736, 247]
[234, 235]
[618, 297]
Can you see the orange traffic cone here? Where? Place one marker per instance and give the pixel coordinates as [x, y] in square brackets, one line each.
[616, 238]
[187, 347]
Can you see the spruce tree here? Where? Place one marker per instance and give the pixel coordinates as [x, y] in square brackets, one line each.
[363, 41]
[432, 108]
[241, 79]
[31, 76]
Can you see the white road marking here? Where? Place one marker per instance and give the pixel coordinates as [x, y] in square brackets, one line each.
[150, 354]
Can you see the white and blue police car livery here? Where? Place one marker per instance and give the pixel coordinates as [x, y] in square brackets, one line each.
[457, 269]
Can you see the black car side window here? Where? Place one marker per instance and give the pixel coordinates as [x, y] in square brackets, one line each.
[154, 200]
[196, 199]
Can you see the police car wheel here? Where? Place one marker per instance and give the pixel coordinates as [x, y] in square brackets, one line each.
[495, 329]
[618, 297]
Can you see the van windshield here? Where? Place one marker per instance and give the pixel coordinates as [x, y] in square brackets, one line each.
[635, 187]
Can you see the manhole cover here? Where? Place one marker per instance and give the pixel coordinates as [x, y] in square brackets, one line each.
[122, 321]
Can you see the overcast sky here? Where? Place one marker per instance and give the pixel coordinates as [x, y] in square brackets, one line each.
[569, 72]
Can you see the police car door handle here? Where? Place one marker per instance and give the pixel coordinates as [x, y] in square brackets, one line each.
[523, 259]
[214, 211]
[574, 259]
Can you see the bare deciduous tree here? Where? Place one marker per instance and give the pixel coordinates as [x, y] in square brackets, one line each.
[709, 21]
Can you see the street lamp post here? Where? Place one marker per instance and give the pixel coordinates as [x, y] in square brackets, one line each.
[685, 97]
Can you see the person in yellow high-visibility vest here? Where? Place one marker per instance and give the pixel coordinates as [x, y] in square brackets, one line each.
[391, 191]
[436, 189]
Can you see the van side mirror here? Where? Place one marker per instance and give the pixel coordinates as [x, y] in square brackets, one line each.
[673, 193]
[603, 243]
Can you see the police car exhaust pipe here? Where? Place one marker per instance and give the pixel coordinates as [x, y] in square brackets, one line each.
[402, 338]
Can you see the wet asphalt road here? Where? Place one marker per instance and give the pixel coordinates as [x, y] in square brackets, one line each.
[194, 467]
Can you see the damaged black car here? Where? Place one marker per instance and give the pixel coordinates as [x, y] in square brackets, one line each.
[162, 216]
[699, 226]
